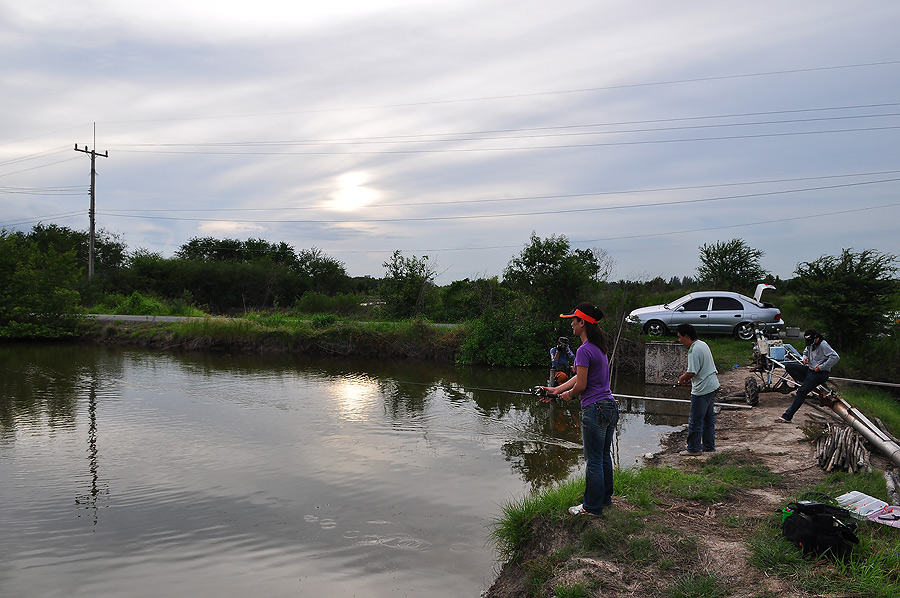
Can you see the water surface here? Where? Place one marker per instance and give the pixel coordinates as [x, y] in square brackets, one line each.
[136, 473]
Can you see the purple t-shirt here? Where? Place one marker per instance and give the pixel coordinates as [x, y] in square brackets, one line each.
[590, 356]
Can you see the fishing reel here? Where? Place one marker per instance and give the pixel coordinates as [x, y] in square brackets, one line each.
[542, 394]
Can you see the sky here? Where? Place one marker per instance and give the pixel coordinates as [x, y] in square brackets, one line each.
[455, 129]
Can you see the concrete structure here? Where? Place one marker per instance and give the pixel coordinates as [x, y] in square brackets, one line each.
[664, 362]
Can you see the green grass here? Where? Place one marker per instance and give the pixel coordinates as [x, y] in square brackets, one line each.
[875, 402]
[697, 585]
[577, 590]
[873, 568]
[138, 304]
[728, 351]
[323, 334]
[719, 477]
[511, 529]
[715, 480]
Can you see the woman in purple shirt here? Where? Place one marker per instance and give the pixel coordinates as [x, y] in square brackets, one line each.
[599, 410]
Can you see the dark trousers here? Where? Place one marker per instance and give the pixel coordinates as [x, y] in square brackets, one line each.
[808, 379]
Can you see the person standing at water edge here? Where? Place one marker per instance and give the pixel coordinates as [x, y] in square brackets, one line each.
[599, 410]
[701, 372]
[818, 359]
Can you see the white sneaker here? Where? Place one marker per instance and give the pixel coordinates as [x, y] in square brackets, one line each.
[578, 510]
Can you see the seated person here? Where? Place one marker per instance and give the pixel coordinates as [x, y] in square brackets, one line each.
[818, 359]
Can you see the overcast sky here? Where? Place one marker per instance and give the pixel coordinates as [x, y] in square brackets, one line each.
[454, 129]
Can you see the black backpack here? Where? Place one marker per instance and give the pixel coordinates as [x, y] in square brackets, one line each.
[820, 529]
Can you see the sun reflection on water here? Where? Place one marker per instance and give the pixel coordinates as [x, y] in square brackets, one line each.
[355, 397]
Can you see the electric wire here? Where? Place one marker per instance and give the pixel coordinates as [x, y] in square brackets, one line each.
[514, 148]
[554, 211]
[39, 167]
[529, 197]
[635, 236]
[43, 218]
[491, 135]
[539, 93]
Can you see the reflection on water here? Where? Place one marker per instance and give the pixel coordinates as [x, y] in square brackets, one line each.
[134, 473]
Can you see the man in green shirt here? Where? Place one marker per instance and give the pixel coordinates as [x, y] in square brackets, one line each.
[701, 372]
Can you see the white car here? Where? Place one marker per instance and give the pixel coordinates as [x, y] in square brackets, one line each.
[711, 312]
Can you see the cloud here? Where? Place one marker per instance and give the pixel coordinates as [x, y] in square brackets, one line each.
[222, 119]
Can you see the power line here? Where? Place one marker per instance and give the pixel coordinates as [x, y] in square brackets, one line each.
[43, 190]
[42, 218]
[38, 167]
[34, 156]
[636, 236]
[540, 93]
[516, 214]
[626, 237]
[726, 226]
[443, 137]
[528, 197]
[516, 148]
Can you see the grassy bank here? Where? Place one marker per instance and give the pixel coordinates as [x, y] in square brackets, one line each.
[646, 545]
[656, 539]
[412, 339]
[642, 542]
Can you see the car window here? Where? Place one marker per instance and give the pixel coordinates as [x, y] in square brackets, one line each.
[726, 304]
[698, 304]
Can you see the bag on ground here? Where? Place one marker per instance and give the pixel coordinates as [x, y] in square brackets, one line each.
[820, 529]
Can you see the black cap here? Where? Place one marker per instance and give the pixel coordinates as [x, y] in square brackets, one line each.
[810, 336]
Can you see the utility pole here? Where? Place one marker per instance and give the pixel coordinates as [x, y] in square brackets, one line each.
[93, 154]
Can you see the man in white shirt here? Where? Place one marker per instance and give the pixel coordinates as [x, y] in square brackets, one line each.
[701, 372]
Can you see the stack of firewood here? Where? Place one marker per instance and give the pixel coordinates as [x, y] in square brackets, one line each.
[841, 447]
[892, 480]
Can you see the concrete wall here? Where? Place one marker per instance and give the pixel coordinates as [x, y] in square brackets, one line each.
[664, 362]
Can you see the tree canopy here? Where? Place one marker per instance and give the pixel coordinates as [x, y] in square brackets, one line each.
[730, 266]
[848, 295]
[554, 275]
[406, 283]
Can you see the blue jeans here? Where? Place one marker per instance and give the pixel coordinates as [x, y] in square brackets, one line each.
[598, 426]
[808, 379]
[702, 423]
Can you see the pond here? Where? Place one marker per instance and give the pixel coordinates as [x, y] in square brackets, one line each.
[135, 473]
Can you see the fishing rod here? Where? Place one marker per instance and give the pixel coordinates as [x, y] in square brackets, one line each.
[538, 391]
[532, 392]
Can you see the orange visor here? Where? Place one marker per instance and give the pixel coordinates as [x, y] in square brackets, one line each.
[579, 314]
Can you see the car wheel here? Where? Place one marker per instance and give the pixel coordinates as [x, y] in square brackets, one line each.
[745, 331]
[655, 328]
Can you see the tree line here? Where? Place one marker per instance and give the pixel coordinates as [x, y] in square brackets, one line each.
[850, 296]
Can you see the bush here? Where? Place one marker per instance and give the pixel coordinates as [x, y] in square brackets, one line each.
[506, 340]
[313, 302]
[38, 297]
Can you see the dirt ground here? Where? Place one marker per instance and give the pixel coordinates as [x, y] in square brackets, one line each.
[722, 548]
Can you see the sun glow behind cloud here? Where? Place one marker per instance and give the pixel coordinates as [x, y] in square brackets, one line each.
[351, 192]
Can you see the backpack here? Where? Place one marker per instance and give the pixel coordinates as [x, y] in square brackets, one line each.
[819, 528]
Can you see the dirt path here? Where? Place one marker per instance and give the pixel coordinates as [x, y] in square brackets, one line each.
[779, 445]
[721, 545]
